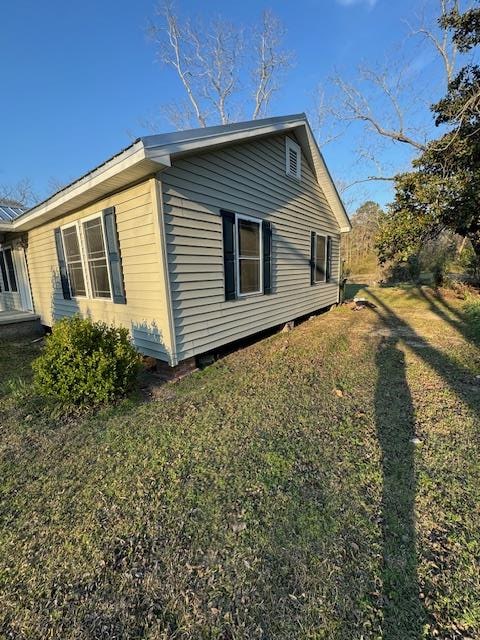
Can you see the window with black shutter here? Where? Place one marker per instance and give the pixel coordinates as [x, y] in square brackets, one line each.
[89, 258]
[247, 255]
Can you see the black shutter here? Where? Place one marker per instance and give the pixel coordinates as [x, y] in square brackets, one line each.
[313, 238]
[62, 264]
[228, 221]
[329, 259]
[113, 254]
[267, 256]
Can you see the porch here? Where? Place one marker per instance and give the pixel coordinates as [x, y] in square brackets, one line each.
[15, 324]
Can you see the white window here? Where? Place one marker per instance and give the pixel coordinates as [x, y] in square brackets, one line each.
[293, 158]
[249, 255]
[320, 258]
[86, 258]
[96, 257]
[7, 271]
[74, 261]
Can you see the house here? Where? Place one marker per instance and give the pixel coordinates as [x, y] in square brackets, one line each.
[14, 285]
[192, 239]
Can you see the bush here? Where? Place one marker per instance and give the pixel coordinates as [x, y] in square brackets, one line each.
[414, 268]
[472, 309]
[470, 263]
[86, 362]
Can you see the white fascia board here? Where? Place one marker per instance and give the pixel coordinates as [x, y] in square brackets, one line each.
[325, 179]
[134, 157]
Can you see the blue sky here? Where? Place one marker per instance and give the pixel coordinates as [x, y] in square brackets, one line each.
[77, 78]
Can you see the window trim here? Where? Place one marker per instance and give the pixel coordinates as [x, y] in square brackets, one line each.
[62, 229]
[3, 249]
[325, 237]
[241, 216]
[84, 258]
[292, 145]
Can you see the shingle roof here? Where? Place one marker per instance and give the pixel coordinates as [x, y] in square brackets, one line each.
[7, 213]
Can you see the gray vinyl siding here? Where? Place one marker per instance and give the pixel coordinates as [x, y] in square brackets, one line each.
[248, 179]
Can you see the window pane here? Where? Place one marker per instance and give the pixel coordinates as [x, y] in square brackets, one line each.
[96, 256]
[76, 279]
[76, 276]
[249, 275]
[11, 270]
[3, 269]
[320, 260]
[94, 238]
[248, 238]
[71, 244]
[99, 278]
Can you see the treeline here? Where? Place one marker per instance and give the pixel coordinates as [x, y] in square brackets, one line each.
[445, 253]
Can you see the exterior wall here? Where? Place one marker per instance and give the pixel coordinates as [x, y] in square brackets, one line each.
[145, 313]
[249, 179]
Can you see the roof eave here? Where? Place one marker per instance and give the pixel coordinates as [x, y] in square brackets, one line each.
[128, 167]
[152, 154]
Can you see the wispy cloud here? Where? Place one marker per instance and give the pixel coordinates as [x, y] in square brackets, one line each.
[350, 3]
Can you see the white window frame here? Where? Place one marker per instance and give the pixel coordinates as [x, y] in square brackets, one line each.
[4, 248]
[69, 225]
[84, 259]
[325, 237]
[291, 145]
[239, 216]
[84, 251]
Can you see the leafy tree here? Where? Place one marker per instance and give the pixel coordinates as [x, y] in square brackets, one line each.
[358, 246]
[443, 192]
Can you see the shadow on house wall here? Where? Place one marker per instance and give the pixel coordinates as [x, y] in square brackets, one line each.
[59, 307]
[148, 339]
[146, 335]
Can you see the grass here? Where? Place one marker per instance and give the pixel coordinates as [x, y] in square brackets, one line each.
[276, 494]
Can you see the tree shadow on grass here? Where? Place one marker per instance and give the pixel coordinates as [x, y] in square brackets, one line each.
[455, 318]
[404, 616]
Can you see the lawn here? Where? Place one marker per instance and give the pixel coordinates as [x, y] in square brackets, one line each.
[275, 495]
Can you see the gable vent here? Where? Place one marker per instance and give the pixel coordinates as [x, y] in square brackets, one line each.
[293, 158]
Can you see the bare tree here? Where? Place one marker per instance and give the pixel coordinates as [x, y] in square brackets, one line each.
[442, 42]
[209, 62]
[357, 105]
[271, 62]
[20, 194]
[325, 128]
[387, 103]
[55, 184]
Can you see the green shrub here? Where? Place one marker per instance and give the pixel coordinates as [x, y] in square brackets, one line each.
[86, 362]
[469, 262]
[472, 309]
